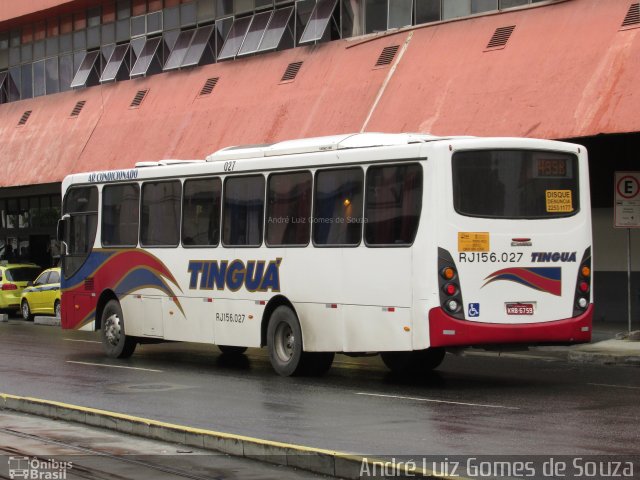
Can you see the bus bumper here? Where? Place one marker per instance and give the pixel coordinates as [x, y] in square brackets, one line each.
[446, 331]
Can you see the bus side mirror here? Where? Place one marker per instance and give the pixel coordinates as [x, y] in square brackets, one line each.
[62, 233]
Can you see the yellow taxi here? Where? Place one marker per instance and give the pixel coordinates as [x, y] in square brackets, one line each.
[14, 277]
[42, 296]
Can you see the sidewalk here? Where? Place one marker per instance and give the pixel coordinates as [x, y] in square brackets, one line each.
[610, 345]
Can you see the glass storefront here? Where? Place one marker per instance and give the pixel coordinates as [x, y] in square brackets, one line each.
[27, 229]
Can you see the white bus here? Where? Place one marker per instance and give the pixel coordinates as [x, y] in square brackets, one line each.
[403, 244]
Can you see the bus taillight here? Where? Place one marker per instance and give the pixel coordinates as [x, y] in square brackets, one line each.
[450, 289]
[448, 273]
[583, 284]
[450, 294]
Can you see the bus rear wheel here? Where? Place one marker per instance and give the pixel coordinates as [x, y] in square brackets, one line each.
[284, 342]
[417, 361]
[114, 340]
[286, 353]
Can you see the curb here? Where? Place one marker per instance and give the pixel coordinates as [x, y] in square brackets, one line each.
[42, 320]
[603, 358]
[325, 462]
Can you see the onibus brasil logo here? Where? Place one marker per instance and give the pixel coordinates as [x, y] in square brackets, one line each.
[38, 469]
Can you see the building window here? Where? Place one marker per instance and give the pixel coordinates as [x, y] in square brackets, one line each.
[375, 12]
[321, 22]
[123, 9]
[427, 11]
[218, 30]
[478, 6]
[26, 81]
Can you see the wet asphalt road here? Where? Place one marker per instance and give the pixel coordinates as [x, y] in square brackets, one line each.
[472, 405]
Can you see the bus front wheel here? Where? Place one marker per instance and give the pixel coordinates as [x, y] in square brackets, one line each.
[417, 361]
[114, 340]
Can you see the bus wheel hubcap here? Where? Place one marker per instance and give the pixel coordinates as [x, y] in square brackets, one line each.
[112, 330]
[285, 342]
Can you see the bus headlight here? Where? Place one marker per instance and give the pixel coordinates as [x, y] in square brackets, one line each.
[452, 305]
[583, 302]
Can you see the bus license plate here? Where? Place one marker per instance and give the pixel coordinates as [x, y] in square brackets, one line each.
[520, 308]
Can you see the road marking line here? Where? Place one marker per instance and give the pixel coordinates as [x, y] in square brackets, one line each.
[615, 386]
[114, 366]
[84, 341]
[437, 401]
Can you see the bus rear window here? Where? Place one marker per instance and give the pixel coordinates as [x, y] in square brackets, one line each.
[515, 184]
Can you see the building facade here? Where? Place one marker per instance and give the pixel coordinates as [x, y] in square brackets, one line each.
[93, 85]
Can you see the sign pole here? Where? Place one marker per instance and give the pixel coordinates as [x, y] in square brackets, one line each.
[629, 277]
[627, 215]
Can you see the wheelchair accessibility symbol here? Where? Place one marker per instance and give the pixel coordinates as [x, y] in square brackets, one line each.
[474, 310]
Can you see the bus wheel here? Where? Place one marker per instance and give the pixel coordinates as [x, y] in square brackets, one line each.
[284, 342]
[418, 361]
[229, 350]
[26, 311]
[114, 340]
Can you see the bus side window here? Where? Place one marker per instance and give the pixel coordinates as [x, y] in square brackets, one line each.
[201, 212]
[337, 216]
[393, 204]
[160, 214]
[289, 209]
[243, 211]
[120, 212]
[81, 204]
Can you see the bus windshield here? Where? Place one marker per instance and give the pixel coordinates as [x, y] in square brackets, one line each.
[517, 184]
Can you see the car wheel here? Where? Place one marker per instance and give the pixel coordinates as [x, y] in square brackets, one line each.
[230, 350]
[26, 310]
[56, 308]
[116, 343]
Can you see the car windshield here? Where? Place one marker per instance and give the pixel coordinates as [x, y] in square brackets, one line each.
[22, 274]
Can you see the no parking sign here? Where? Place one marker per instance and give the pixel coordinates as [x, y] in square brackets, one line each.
[627, 200]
